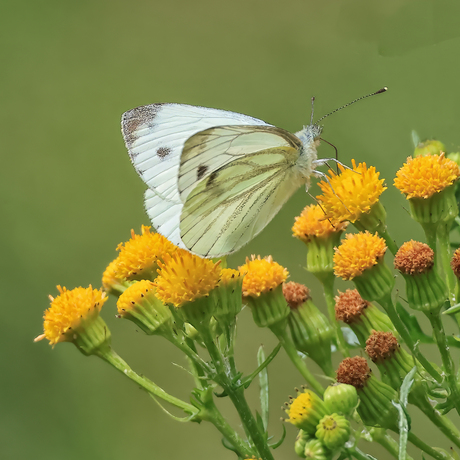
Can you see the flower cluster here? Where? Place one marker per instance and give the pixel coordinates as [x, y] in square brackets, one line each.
[194, 302]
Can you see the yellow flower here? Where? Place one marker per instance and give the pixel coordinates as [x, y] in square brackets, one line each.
[424, 176]
[184, 277]
[351, 193]
[227, 275]
[313, 222]
[261, 275]
[357, 253]
[140, 305]
[138, 258]
[70, 311]
[306, 410]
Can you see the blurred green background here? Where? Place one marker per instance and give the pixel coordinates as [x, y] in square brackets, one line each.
[70, 195]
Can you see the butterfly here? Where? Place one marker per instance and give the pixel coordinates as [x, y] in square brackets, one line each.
[216, 178]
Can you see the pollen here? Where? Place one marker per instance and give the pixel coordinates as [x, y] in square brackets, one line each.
[139, 256]
[349, 306]
[68, 310]
[351, 193]
[261, 275]
[313, 222]
[414, 258]
[184, 277]
[423, 176]
[357, 253]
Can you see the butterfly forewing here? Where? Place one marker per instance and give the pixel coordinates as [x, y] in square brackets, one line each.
[211, 149]
[233, 204]
[155, 136]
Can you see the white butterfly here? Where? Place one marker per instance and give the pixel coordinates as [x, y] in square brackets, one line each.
[215, 178]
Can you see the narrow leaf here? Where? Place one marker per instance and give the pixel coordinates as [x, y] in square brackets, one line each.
[277, 444]
[264, 389]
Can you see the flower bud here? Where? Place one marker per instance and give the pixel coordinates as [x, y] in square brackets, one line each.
[429, 147]
[310, 330]
[362, 316]
[316, 450]
[341, 398]
[425, 289]
[376, 398]
[333, 431]
[300, 441]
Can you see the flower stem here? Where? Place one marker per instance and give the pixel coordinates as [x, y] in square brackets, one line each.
[437, 454]
[213, 415]
[390, 309]
[298, 362]
[446, 255]
[447, 362]
[380, 436]
[236, 393]
[328, 286]
[392, 246]
[118, 363]
[442, 422]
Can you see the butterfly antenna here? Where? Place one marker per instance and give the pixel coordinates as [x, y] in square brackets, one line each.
[312, 109]
[352, 102]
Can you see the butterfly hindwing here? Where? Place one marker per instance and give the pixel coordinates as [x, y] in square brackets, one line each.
[232, 204]
[213, 148]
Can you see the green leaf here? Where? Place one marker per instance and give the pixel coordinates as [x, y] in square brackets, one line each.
[404, 421]
[277, 444]
[264, 389]
[247, 380]
[452, 310]
[406, 386]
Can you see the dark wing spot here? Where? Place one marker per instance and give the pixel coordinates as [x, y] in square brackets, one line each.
[132, 119]
[163, 152]
[211, 179]
[201, 171]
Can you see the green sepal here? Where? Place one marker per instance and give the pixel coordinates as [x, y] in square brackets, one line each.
[375, 283]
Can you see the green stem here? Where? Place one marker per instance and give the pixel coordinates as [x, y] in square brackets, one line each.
[236, 395]
[380, 436]
[356, 453]
[298, 362]
[427, 449]
[447, 362]
[446, 255]
[430, 235]
[118, 363]
[392, 246]
[213, 415]
[443, 423]
[390, 309]
[328, 286]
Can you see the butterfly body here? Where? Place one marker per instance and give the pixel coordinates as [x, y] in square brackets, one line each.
[215, 178]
